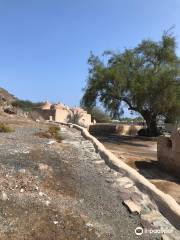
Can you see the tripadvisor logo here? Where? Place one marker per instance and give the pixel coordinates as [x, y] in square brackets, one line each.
[139, 231]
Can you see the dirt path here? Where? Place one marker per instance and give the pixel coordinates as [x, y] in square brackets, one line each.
[142, 155]
[58, 191]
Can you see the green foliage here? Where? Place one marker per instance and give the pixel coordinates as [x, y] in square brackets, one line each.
[146, 78]
[5, 128]
[99, 115]
[26, 105]
[129, 120]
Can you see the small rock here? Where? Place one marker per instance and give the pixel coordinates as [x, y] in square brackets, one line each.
[43, 167]
[55, 222]
[133, 208]
[47, 203]
[41, 194]
[125, 195]
[26, 152]
[165, 237]
[81, 201]
[4, 196]
[51, 142]
[136, 197]
[128, 185]
[108, 180]
[89, 225]
[22, 170]
[151, 216]
[22, 190]
[99, 161]
[115, 174]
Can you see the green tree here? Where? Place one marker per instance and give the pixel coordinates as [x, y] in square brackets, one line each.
[99, 115]
[26, 105]
[146, 78]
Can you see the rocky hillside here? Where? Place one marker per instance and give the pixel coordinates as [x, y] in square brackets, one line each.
[12, 105]
[6, 97]
[6, 100]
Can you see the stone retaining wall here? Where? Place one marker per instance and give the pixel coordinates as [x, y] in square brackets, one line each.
[168, 153]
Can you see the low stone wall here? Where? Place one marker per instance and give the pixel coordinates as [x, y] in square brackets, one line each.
[168, 153]
[165, 203]
[110, 128]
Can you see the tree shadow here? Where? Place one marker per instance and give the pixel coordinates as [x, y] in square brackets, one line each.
[151, 170]
[119, 140]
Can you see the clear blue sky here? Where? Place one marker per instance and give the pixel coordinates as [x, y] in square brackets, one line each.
[45, 44]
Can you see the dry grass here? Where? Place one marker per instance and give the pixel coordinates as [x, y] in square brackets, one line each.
[52, 132]
[5, 128]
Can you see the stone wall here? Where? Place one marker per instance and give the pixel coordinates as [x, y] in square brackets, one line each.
[168, 153]
[110, 128]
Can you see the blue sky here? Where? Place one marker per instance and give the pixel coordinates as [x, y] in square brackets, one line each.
[45, 44]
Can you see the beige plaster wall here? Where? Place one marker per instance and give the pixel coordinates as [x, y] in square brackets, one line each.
[168, 153]
[110, 128]
[63, 115]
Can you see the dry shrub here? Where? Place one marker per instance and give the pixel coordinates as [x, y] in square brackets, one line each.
[53, 132]
[34, 115]
[5, 128]
[43, 134]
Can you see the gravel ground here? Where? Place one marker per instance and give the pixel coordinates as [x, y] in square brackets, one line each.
[54, 191]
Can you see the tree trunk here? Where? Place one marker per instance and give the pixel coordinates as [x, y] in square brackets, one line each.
[151, 122]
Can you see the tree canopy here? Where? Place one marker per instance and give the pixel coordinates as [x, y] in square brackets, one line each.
[99, 115]
[146, 78]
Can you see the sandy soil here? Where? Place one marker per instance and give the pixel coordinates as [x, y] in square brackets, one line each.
[142, 155]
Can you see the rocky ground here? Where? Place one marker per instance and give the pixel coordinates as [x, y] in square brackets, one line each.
[61, 191]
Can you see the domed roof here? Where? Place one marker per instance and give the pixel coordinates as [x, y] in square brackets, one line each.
[46, 105]
[58, 106]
